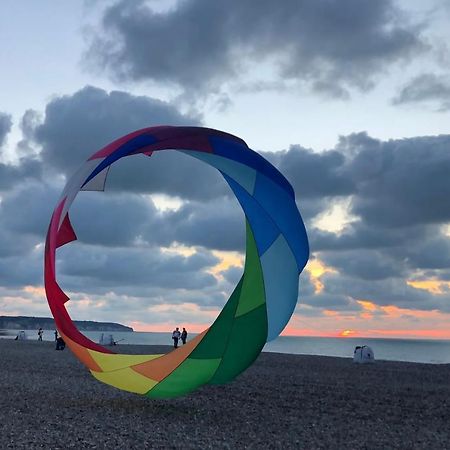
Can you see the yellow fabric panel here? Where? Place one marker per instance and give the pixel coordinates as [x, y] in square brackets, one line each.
[108, 361]
[126, 379]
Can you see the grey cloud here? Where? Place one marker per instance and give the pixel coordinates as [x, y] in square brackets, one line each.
[5, 127]
[17, 271]
[130, 220]
[28, 210]
[12, 175]
[396, 187]
[365, 265]
[432, 253]
[404, 183]
[233, 274]
[169, 172]
[332, 301]
[427, 87]
[201, 44]
[317, 178]
[361, 235]
[30, 120]
[12, 244]
[78, 125]
[314, 175]
[82, 266]
[398, 190]
[218, 225]
[390, 291]
[113, 219]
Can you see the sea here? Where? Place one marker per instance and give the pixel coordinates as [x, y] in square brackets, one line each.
[411, 350]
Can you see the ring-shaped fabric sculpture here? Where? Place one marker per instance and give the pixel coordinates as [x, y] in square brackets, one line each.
[262, 302]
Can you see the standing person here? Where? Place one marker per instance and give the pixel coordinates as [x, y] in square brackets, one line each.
[56, 335]
[175, 336]
[184, 336]
[40, 333]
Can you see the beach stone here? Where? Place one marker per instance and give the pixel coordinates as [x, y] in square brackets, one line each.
[50, 400]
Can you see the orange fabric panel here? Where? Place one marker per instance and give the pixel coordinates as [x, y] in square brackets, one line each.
[158, 369]
[81, 353]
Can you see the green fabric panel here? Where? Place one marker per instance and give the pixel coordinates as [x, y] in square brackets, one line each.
[252, 294]
[247, 339]
[188, 376]
[215, 340]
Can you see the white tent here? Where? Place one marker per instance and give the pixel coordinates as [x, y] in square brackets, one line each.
[21, 336]
[363, 354]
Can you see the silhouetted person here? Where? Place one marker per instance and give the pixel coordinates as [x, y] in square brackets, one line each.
[56, 335]
[60, 344]
[175, 336]
[40, 333]
[184, 336]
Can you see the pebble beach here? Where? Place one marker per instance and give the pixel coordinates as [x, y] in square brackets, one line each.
[49, 400]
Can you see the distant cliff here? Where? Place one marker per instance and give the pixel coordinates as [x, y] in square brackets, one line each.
[33, 323]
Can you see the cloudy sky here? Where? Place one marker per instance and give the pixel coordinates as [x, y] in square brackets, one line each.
[350, 99]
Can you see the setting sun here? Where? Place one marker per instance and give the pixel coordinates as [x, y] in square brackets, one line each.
[347, 333]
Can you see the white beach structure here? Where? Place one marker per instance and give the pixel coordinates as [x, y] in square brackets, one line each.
[21, 336]
[363, 354]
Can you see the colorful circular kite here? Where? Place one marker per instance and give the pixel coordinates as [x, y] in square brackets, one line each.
[262, 302]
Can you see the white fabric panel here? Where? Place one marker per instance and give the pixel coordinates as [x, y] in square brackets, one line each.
[98, 182]
[74, 185]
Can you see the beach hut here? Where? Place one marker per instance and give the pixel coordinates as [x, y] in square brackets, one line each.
[363, 354]
[107, 339]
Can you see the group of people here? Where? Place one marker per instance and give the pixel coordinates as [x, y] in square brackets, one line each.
[177, 335]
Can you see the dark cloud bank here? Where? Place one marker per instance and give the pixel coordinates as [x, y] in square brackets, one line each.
[397, 190]
[201, 44]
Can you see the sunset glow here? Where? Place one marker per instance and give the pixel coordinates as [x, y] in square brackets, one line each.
[432, 286]
[316, 269]
[367, 305]
[227, 260]
[347, 333]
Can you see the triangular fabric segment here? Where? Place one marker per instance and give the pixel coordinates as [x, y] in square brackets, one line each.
[98, 182]
[66, 233]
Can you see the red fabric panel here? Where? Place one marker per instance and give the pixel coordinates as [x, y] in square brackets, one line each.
[55, 295]
[189, 138]
[66, 233]
[110, 148]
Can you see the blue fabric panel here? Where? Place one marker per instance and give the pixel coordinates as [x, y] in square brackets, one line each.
[244, 155]
[283, 210]
[281, 285]
[130, 146]
[264, 229]
[242, 174]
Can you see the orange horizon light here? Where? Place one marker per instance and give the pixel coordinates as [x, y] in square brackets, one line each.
[347, 333]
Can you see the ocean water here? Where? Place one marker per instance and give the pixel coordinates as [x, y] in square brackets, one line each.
[412, 350]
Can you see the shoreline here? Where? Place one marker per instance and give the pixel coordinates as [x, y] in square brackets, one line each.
[50, 400]
[436, 352]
